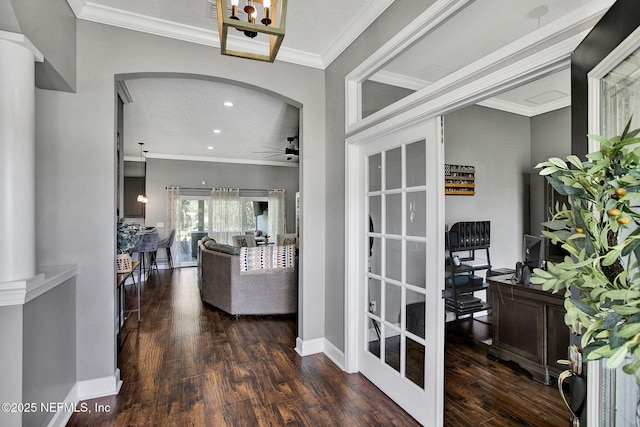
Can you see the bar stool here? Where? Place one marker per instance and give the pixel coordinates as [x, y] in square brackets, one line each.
[166, 245]
[146, 249]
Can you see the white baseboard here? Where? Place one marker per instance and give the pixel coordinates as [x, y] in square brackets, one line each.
[99, 387]
[309, 347]
[334, 353]
[61, 418]
[84, 390]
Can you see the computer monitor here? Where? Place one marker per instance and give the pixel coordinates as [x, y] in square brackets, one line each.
[533, 252]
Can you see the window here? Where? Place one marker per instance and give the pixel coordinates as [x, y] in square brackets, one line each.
[255, 217]
[194, 225]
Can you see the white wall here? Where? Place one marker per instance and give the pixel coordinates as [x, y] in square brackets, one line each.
[75, 150]
[498, 145]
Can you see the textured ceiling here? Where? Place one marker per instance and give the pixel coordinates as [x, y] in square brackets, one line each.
[176, 118]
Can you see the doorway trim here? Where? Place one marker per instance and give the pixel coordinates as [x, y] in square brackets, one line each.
[597, 380]
[504, 77]
[532, 51]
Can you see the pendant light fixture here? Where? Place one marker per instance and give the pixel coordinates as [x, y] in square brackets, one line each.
[272, 24]
[141, 197]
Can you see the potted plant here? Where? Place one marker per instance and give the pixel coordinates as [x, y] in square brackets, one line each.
[128, 237]
[599, 230]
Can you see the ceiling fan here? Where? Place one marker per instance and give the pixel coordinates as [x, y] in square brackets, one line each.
[291, 152]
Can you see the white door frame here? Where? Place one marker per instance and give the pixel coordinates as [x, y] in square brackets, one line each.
[507, 75]
[595, 379]
[356, 252]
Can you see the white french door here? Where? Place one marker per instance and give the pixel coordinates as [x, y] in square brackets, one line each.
[614, 97]
[397, 260]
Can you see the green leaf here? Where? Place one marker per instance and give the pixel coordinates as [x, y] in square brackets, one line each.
[614, 340]
[599, 352]
[611, 257]
[617, 357]
[585, 308]
[626, 310]
[558, 162]
[622, 294]
[593, 346]
[601, 139]
[555, 224]
[631, 368]
[628, 331]
[575, 161]
[611, 320]
[548, 170]
[541, 273]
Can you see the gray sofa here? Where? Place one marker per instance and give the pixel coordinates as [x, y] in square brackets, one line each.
[223, 286]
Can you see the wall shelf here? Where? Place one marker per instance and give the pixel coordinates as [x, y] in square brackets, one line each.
[459, 180]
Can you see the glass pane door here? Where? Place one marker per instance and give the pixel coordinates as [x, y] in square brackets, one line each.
[194, 225]
[402, 309]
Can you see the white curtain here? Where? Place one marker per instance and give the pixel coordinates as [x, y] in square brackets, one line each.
[277, 209]
[224, 215]
[173, 221]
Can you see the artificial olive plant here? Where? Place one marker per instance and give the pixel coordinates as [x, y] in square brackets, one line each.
[599, 231]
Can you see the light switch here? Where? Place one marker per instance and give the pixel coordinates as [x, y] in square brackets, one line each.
[159, 224]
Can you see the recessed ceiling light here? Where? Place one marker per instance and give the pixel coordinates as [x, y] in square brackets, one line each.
[217, 131]
[210, 148]
[228, 104]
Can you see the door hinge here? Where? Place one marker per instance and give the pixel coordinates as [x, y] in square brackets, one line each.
[442, 293]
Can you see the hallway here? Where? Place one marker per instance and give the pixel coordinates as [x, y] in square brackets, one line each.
[189, 364]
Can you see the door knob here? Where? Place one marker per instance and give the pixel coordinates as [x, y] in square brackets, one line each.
[575, 396]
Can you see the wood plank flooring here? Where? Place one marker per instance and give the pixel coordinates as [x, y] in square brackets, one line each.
[189, 364]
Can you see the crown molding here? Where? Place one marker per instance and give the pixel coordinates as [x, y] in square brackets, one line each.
[76, 6]
[398, 80]
[411, 83]
[89, 11]
[512, 107]
[353, 30]
[221, 160]
[134, 21]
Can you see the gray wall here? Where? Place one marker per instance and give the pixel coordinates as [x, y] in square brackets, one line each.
[49, 369]
[75, 155]
[497, 144]
[11, 326]
[183, 173]
[550, 137]
[51, 26]
[394, 19]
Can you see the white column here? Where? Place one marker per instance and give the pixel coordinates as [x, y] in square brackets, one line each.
[17, 162]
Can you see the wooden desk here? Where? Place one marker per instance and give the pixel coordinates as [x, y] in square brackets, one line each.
[528, 327]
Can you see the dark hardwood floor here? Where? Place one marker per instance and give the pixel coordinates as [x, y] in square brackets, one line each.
[189, 364]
